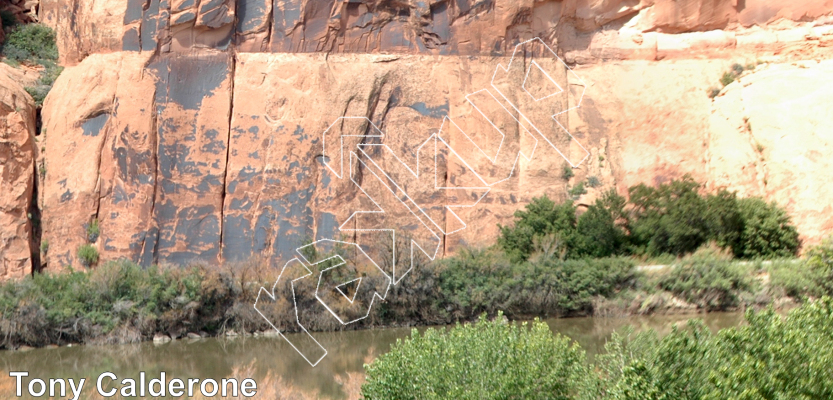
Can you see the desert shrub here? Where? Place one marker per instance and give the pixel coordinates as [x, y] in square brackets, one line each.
[567, 173]
[725, 221]
[44, 84]
[713, 92]
[771, 357]
[727, 78]
[599, 233]
[796, 278]
[486, 360]
[577, 190]
[593, 182]
[485, 281]
[811, 276]
[540, 218]
[767, 230]
[709, 278]
[38, 93]
[93, 230]
[31, 42]
[670, 218]
[87, 255]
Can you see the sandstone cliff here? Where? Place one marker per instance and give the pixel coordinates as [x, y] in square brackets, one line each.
[215, 130]
[17, 176]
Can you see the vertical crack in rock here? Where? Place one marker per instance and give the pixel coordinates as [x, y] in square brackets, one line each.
[151, 224]
[232, 68]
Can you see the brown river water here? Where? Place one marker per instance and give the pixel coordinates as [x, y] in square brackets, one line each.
[273, 363]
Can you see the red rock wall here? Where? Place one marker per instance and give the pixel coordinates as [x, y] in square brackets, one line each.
[17, 179]
[458, 27]
[190, 131]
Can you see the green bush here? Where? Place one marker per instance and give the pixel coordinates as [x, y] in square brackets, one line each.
[593, 182]
[812, 276]
[770, 358]
[796, 278]
[93, 230]
[482, 361]
[577, 191]
[38, 93]
[47, 79]
[597, 230]
[567, 173]
[88, 255]
[727, 78]
[767, 230]
[540, 218]
[710, 279]
[483, 281]
[31, 42]
[670, 218]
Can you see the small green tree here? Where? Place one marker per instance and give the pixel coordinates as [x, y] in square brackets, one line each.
[767, 230]
[539, 218]
[670, 218]
[600, 230]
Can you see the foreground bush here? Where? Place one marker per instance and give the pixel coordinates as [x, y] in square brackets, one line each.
[486, 360]
[772, 357]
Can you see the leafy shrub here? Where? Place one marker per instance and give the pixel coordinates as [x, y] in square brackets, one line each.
[38, 93]
[44, 246]
[796, 278]
[540, 218]
[88, 255]
[567, 173]
[486, 360]
[713, 92]
[737, 68]
[727, 78]
[670, 218]
[767, 230]
[593, 182]
[31, 42]
[44, 84]
[578, 190]
[769, 358]
[598, 234]
[709, 278]
[93, 230]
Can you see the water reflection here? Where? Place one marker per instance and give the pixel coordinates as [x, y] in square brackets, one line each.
[274, 362]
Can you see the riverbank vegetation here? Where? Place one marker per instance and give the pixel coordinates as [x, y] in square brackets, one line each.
[552, 262]
[771, 357]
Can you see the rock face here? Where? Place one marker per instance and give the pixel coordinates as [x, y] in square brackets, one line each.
[191, 132]
[17, 179]
[590, 29]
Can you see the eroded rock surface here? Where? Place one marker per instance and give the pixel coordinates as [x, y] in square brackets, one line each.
[17, 179]
[191, 131]
[586, 30]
